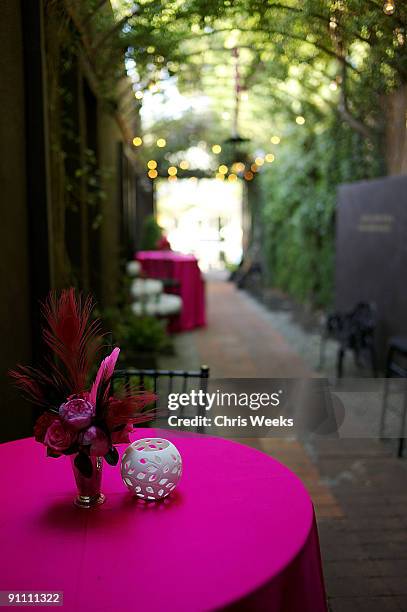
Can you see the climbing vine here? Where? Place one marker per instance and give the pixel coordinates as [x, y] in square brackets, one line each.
[299, 198]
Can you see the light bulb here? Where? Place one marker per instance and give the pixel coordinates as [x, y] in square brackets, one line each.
[389, 7]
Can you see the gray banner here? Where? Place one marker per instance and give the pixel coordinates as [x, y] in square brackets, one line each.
[351, 408]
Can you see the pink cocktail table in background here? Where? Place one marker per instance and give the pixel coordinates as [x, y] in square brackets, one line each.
[191, 288]
[239, 532]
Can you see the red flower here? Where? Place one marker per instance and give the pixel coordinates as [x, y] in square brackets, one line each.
[163, 244]
[97, 441]
[122, 436]
[59, 439]
[42, 424]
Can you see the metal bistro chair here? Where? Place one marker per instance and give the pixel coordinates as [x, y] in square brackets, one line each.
[171, 381]
[355, 331]
[396, 367]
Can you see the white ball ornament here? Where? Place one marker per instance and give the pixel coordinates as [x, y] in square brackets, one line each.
[151, 468]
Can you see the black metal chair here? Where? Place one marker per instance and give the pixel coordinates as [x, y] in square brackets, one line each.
[396, 367]
[167, 381]
[353, 331]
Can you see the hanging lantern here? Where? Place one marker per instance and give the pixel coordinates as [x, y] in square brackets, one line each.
[389, 7]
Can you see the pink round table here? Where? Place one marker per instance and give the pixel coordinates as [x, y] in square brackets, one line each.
[239, 532]
[185, 270]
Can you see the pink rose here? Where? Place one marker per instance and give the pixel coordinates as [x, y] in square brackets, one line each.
[77, 413]
[59, 439]
[97, 440]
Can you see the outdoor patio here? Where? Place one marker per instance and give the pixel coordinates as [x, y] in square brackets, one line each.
[199, 197]
[357, 486]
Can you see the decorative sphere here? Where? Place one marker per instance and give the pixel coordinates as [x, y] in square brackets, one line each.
[151, 468]
[133, 268]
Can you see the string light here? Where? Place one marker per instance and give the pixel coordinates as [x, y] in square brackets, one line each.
[137, 141]
[275, 139]
[400, 36]
[223, 169]
[152, 164]
[216, 149]
[253, 168]
[152, 174]
[300, 120]
[220, 177]
[184, 165]
[232, 178]
[238, 167]
[139, 95]
[389, 7]
[172, 178]
[270, 158]
[172, 171]
[150, 49]
[259, 161]
[248, 175]
[161, 142]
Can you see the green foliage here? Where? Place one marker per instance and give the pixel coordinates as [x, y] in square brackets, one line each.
[136, 335]
[331, 62]
[299, 195]
[151, 234]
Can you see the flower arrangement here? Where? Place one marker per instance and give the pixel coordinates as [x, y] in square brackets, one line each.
[77, 420]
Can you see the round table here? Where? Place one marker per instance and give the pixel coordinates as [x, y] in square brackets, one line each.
[239, 532]
[184, 269]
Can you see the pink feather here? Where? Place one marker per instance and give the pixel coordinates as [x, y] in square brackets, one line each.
[104, 374]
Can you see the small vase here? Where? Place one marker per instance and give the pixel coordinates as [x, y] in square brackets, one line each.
[89, 493]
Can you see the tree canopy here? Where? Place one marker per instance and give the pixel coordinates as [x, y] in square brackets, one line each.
[301, 86]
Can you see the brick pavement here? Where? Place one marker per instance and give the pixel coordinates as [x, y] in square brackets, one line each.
[358, 487]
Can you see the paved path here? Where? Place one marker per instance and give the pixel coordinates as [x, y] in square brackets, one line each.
[358, 488]
[239, 341]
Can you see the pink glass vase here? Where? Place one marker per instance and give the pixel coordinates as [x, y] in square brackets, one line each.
[89, 489]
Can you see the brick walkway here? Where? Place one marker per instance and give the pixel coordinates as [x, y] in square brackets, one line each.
[358, 488]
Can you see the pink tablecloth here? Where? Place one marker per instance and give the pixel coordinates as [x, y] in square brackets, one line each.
[185, 270]
[238, 532]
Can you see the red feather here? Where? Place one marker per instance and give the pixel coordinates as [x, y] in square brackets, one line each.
[128, 409]
[72, 339]
[71, 336]
[30, 382]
